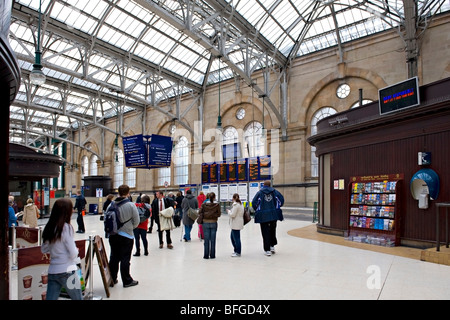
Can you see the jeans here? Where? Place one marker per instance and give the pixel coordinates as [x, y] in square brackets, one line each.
[187, 232]
[69, 280]
[121, 248]
[268, 231]
[140, 233]
[80, 221]
[209, 231]
[180, 212]
[236, 240]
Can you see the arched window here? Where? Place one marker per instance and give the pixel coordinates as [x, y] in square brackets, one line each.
[254, 139]
[230, 135]
[93, 165]
[164, 176]
[57, 183]
[320, 114]
[118, 169]
[181, 161]
[84, 168]
[130, 177]
[365, 101]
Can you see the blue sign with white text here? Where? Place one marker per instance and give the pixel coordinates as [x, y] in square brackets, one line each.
[148, 152]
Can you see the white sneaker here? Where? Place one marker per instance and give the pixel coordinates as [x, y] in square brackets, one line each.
[234, 254]
[272, 249]
[268, 253]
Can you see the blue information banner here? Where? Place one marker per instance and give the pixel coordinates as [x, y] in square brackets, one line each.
[160, 151]
[148, 152]
[135, 151]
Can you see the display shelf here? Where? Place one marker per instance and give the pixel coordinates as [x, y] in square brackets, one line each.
[374, 209]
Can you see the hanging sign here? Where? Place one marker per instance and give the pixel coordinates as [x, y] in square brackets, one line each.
[148, 152]
[160, 151]
[135, 151]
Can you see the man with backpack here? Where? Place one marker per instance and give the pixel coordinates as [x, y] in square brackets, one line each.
[121, 238]
[267, 203]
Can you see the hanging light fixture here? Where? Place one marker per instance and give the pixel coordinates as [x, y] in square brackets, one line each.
[116, 141]
[219, 118]
[116, 148]
[37, 77]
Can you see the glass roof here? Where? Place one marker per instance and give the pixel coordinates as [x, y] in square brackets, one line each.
[103, 57]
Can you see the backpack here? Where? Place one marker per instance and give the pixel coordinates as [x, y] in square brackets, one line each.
[144, 213]
[112, 220]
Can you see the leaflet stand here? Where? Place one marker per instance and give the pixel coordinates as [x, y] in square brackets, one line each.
[89, 270]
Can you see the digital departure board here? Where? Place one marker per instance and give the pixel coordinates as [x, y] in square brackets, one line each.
[232, 171]
[399, 96]
[253, 169]
[213, 173]
[239, 170]
[205, 173]
[242, 172]
[264, 168]
[223, 172]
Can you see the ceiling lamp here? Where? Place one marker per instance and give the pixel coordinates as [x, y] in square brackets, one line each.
[37, 77]
[219, 118]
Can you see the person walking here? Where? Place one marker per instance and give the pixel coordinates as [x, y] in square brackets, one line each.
[122, 242]
[58, 240]
[152, 217]
[201, 198]
[30, 214]
[12, 219]
[159, 204]
[141, 231]
[188, 202]
[179, 201]
[109, 199]
[236, 224]
[209, 213]
[80, 205]
[267, 203]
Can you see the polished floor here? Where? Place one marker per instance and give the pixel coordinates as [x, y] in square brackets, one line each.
[303, 267]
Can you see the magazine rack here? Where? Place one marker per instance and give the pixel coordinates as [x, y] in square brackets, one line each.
[374, 211]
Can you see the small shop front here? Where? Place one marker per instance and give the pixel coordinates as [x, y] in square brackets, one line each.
[384, 177]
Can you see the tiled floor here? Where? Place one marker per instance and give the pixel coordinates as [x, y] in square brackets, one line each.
[301, 269]
[304, 267]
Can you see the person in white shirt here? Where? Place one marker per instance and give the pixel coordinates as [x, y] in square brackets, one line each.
[58, 240]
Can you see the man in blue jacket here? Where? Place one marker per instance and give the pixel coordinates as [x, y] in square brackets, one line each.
[267, 204]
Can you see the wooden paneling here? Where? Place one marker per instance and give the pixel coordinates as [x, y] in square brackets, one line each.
[399, 156]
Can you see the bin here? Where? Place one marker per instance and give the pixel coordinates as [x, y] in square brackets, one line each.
[93, 208]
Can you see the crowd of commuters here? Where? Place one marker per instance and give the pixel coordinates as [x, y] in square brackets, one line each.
[58, 234]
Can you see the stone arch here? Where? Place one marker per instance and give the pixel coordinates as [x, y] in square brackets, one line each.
[341, 74]
[251, 106]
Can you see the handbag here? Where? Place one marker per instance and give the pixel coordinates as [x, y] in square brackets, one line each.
[192, 213]
[247, 217]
